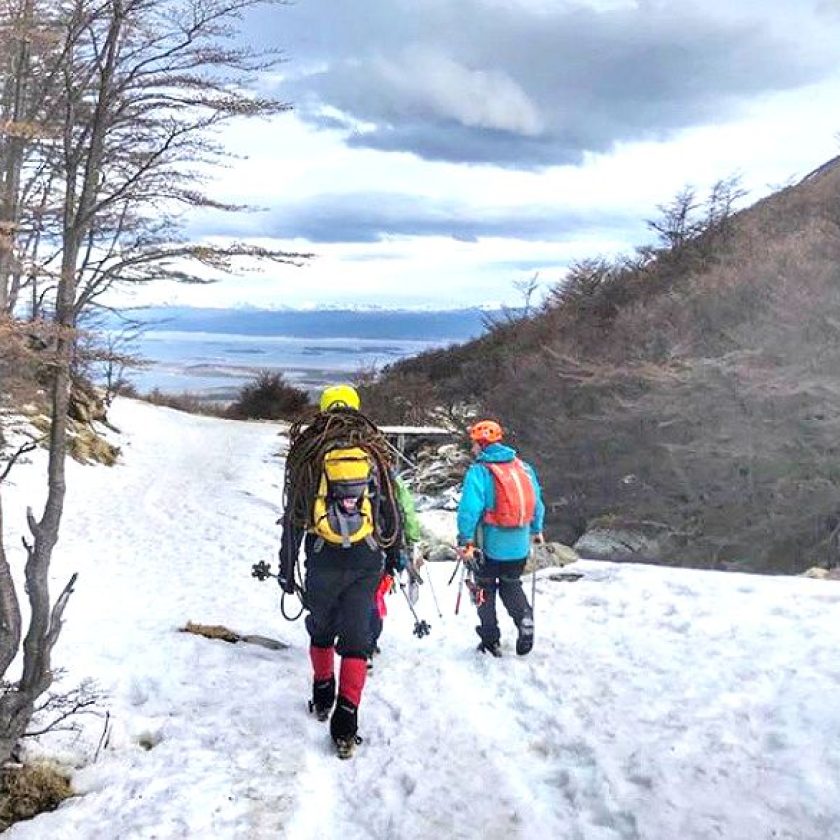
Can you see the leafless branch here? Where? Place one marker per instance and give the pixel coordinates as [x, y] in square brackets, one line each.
[22, 450]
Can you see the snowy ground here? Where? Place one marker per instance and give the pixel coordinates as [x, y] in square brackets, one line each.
[659, 704]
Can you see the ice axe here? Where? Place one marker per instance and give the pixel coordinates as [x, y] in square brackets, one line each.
[460, 587]
[470, 559]
[454, 571]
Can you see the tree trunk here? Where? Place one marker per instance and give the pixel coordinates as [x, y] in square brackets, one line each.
[9, 608]
[13, 154]
[11, 711]
[18, 703]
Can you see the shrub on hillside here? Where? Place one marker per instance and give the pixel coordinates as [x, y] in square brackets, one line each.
[30, 790]
[269, 397]
[21, 368]
[185, 401]
[125, 388]
[400, 399]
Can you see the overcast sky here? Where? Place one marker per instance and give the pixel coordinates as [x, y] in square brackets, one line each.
[440, 150]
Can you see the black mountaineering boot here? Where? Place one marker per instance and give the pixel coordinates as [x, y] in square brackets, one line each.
[493, 648]
[343, 726]
[374, 651]
[323, 697]
[525, 640]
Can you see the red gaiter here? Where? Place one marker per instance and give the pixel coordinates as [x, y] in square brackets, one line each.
[352, 679]
[323, 662]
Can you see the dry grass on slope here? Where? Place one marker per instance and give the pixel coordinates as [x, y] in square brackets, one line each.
[30, 790]
[697, 389]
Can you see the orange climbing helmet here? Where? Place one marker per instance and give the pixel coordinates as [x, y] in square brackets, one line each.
[486, 432]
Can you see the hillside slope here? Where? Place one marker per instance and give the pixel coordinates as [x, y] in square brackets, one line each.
[657, 703]
[692, 389]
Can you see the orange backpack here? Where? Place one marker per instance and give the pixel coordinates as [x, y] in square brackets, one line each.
[516, 500]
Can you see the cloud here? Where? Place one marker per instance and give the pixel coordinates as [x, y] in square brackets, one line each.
[426, 80]
[377, 217]
[531, 84]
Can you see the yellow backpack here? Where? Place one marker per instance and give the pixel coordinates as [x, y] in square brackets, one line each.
[343, 510]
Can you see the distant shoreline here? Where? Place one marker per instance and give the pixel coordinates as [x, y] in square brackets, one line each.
[210, 368]
[454, 325]
[212, 353]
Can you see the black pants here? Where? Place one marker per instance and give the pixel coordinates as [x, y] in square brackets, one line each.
[506, 578]
[375, 625]
[340, 585]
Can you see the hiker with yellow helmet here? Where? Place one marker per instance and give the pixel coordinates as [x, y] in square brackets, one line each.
[340, 503]
[340, 396]
[500, 512]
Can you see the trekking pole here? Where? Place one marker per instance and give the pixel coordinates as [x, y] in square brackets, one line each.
[533, 584]
[460, 588]
[421, 628]
[534, 577]
[434, 596]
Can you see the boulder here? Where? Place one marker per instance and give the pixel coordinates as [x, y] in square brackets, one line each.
[819, 573]
[439, 553]
[84, 442]
[550, 555]
[86, 446]
[628, 541]
[86, 403]
[438, 469]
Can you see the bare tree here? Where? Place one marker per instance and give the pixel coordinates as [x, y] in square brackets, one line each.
[30, 102]
[690, 228]
[676, 223]
[106, 347]
[15, 42]
[144, 86]
[527, 288]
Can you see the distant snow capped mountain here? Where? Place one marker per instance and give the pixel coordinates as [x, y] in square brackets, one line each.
[443, 325]
[366, 307]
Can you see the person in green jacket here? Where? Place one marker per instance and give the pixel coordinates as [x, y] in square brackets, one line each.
[411, 534]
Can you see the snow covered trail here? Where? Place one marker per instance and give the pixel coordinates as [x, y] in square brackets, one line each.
[657, 704]
[199, 744]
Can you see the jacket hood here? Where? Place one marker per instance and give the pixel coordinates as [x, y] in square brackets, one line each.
[496, 453]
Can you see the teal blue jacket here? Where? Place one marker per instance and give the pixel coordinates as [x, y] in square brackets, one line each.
[479, 495]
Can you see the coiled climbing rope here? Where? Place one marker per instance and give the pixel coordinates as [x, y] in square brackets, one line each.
[310, 442]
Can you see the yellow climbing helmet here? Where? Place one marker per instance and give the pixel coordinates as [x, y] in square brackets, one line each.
[340, 396]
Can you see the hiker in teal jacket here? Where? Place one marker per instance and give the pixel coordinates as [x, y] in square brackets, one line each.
[504, 545]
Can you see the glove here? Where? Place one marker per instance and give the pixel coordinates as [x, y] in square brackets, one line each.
[471, 557]
[386, 584]
[465, 552]
[404, 561]
[392, 562]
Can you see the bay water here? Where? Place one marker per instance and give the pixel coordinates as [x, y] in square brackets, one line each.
[183, 355]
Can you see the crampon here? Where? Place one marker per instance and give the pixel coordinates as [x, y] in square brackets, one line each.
[345, 747]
